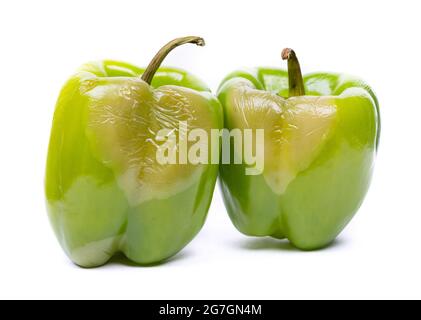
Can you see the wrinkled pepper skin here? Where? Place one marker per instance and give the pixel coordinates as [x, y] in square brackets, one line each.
[105, 191]
[319, 154]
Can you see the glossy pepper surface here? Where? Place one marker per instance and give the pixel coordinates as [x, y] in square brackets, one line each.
[106, 192]
[321, 136]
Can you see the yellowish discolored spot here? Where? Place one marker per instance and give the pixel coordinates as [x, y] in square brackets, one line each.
[123, 120]
[296, 129]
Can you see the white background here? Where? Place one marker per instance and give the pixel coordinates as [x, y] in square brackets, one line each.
[377, 256]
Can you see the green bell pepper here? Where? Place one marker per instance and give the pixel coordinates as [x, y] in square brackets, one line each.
[105, 191]
[321, 136]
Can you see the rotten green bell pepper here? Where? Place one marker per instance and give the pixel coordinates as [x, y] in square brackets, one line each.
[105, 191]
[321, 136]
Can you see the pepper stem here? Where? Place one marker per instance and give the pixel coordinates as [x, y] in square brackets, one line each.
[295, 78]
[160, 56]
